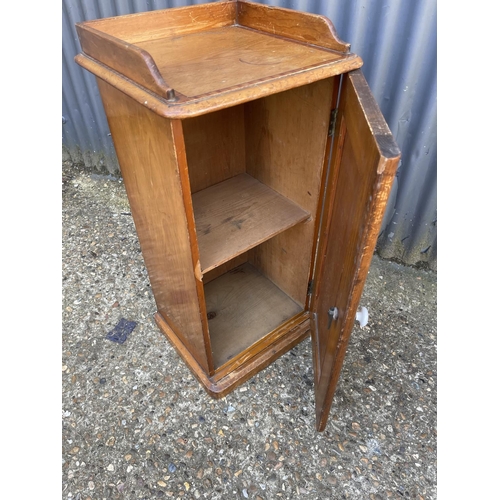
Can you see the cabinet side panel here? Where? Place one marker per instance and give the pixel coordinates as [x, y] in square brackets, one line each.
[215, 147]
[145, 148]
[285, 149]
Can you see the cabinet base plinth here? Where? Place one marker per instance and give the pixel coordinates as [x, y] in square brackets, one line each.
[223, 386]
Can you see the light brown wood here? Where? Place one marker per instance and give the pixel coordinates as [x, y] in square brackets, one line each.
[145, 149]
[224, 268]
[286, 136]
[182, 165]
[325, 178]
[238, 214]
[243, 306]
[190, 61]
[242, 372]
[220, 59]
[129, 60]
[244, 356]
[310, 29]
[364, 164]
[185, 108]
[144, 26]
[215, 147]
[285, 149]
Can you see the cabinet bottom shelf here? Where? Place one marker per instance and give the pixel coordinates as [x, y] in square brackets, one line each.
[252, 323]
[243, 306]
[226, 380]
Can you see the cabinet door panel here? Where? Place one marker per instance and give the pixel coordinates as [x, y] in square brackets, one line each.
[364, 161]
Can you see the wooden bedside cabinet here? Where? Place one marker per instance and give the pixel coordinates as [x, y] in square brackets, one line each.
[257, 165]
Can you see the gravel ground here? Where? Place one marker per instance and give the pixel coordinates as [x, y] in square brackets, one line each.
[136, 424]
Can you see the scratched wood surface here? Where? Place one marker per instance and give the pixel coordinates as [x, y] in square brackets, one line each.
[243, 306]
[363, 167]
[182, 170]
[238, 214]
[211, 61]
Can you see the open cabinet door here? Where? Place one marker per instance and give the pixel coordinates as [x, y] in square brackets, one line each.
[362, 169]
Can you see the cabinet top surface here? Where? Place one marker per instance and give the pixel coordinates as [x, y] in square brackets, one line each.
[187, 61]
[226, 58]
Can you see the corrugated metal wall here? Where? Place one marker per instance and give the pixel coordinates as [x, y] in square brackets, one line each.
[397, 41]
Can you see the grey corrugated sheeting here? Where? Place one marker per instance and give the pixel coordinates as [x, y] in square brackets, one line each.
[397, 41]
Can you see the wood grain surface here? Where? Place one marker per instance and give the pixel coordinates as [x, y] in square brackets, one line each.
[286, 137]
[188, 108]
[162, 23]
[308, 28]
[364, 163]
[233, 192]
[238, 214]
[211, 61]
[128, 60]
[215, 146]
[189, 61]
[224, 268]
[145, 148]
[243, 306]
[218, 387]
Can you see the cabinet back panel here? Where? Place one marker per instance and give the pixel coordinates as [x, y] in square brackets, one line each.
[215, 147]
[286, 136]
[285, 260]
[224, 268]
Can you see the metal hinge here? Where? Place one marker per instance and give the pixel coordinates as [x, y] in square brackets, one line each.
[333, 119]
[310, 287]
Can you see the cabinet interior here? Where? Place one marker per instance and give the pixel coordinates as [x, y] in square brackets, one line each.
[255, 173]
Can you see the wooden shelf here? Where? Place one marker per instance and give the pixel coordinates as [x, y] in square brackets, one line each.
[238, 214]
[244, 306]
